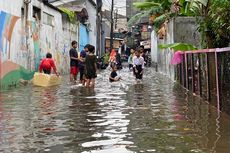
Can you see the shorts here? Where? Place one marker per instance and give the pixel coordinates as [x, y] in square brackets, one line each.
[46, 71]
[82, 72]
[138, 74]
[130, 66]
[73, 70]
[91, 75]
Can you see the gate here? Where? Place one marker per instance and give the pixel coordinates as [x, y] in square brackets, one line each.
[207, 74]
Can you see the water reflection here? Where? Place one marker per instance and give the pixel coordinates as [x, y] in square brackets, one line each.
[156, 116]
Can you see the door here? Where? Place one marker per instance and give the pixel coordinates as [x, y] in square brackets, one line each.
[84, 37]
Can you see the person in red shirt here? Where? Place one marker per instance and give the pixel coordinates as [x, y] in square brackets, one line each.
[47, 64]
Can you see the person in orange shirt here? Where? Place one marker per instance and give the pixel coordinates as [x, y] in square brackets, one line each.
[47, 64]
[112, 58]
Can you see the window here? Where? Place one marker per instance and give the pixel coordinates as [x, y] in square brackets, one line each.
[36, 13]
[48, 19]
[22, 12]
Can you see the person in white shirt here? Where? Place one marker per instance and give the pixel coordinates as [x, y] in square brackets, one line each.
[138, 65]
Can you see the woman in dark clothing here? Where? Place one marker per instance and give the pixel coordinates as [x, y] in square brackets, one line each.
[90, 67]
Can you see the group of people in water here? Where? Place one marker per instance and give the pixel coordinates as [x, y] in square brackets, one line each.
[85, 63]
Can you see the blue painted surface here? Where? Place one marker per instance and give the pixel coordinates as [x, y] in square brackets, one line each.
[84, 37]
[2, 27]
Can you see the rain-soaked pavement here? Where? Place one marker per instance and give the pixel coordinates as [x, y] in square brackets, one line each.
[156, 116]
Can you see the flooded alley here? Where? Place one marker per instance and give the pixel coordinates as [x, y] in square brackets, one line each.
[155, 116]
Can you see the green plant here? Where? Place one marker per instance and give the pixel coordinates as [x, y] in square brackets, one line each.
[178, 46]
[192, 7]
[217, 23]
[166, 9]
[71, 14]
[152, 7]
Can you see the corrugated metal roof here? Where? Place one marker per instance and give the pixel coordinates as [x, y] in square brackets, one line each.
[76, 2]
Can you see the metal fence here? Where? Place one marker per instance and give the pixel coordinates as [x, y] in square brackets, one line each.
[207, 74]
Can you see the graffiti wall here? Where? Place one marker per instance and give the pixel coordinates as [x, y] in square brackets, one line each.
[24, 44]
[11, 71]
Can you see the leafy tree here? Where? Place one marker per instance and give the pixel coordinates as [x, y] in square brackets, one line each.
[216, 24]
[163, 10]
[213, 17]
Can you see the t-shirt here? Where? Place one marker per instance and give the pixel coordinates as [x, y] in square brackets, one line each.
[90, 69]
[73, 53]
[47, 64]
[130, 60]
[138, 61]
[83, 55]
[112, 75]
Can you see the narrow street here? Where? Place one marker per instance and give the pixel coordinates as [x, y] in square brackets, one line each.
[156, 116]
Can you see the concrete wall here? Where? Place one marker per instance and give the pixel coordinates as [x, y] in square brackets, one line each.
[179, 30]
[121, 24]
[93, 23]
[18, 62]
[186, 31]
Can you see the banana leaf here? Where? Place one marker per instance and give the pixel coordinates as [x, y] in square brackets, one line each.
[146, 5]
[178, 46]
[135, 19]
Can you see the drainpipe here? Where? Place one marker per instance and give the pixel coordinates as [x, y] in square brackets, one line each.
[27, 2]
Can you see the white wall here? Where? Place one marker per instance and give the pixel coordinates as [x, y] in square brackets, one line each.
[163, 56]
[93, 24]
[154, 46]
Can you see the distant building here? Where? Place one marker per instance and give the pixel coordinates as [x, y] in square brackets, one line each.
[120, 25]
[120, 21]
[141, 32]
[89, 21]
[131, 10]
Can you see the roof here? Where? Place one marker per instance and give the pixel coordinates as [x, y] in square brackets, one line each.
[61, 2]
[46, 2]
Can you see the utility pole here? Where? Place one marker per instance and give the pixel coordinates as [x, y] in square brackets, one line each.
[111, 32]
[116, 18]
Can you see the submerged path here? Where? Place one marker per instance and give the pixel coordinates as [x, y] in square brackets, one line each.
[156, 116]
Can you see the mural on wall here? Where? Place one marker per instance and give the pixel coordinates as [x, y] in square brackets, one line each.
[36, 52]
[21, 49]
[10, 71]
[6, 28]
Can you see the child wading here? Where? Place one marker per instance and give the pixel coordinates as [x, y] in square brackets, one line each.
[81, 64]
[130, 59]
[113, 75]
[138, 65]
[73, 61]
[90, 67]
[47, 64]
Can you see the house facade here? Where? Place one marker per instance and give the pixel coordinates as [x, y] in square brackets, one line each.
[86, 11]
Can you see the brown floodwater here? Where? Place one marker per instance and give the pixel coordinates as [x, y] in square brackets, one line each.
[157, 115]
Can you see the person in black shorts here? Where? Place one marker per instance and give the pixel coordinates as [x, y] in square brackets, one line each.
[81, 64]
[90, 67]
[138, 65]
